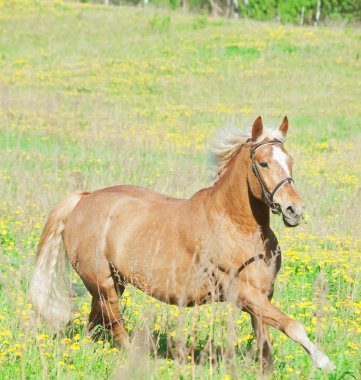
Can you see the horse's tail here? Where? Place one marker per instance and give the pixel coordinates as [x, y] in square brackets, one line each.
[49, 287]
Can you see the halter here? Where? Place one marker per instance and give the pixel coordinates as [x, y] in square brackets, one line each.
[275, 207]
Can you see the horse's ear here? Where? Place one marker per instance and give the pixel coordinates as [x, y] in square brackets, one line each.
[284, 126]
[257, 128]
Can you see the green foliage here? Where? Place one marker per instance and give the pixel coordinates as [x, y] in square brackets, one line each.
[260, 10]
[286, 11]
[174, 4]
[291, 10]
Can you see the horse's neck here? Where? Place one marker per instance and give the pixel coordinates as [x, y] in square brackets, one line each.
[233, 197]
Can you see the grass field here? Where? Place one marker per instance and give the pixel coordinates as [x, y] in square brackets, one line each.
[93, 96]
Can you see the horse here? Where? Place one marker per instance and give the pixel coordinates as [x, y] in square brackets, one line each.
[215, 246]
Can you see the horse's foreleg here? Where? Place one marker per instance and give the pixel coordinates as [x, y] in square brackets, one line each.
[258, 305]
[263, 343]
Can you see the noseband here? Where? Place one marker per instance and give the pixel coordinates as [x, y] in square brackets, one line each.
[275, 207]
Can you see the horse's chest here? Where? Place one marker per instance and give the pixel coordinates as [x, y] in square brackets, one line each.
[260, 269]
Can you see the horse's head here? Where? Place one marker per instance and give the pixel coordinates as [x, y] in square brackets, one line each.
[271, 176]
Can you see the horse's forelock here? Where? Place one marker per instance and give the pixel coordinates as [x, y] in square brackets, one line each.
[228, 142]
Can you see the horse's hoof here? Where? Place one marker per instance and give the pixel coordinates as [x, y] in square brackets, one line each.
[325, 364]
[330, 367]
[121, 342]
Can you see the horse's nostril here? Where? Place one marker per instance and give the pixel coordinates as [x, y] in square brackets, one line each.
[291, 210]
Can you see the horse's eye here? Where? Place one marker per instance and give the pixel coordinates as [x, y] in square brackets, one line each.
[264, 164]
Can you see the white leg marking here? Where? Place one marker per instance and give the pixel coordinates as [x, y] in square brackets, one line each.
[319, 358]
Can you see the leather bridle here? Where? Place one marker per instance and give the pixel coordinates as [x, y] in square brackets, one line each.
[275, 207]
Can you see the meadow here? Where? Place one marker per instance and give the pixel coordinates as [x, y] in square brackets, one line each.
[93, 96]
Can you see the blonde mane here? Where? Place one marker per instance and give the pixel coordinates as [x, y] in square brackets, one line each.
[229, 141]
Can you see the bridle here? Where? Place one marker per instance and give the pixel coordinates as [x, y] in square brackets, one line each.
[275, 207]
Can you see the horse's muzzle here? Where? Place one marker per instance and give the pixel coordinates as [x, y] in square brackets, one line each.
[292, 215]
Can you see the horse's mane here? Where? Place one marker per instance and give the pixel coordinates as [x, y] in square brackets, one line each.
[228, 142]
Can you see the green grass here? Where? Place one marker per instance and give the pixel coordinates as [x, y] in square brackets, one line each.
[93, 96]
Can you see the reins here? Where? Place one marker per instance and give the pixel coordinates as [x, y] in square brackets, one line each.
[275, 207]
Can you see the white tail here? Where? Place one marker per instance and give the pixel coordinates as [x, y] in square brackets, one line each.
[49, 287]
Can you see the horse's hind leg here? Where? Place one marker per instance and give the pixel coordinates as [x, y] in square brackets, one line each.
[105, 310]
[257, 304]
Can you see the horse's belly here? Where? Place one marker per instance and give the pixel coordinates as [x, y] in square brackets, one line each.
[166, 277]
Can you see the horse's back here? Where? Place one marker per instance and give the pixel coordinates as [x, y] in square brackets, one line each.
[134, 192]
[100, 210]
[107, 201]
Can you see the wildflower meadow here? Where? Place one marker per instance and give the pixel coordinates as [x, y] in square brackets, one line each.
[93, 96]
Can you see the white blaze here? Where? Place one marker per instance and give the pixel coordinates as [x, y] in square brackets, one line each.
[281, 158]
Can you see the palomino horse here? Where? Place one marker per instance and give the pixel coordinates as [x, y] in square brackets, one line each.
[217, 245]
